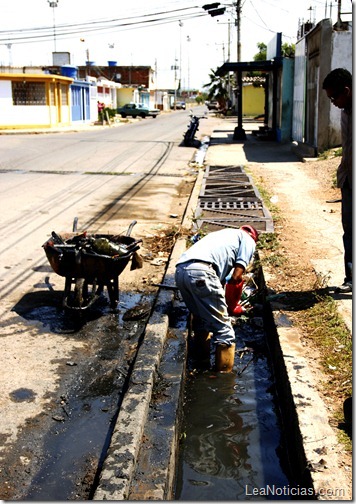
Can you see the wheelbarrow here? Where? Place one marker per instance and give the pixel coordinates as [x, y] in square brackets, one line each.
[89, 263]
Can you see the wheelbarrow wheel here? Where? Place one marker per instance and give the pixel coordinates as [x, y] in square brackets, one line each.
[80, 298]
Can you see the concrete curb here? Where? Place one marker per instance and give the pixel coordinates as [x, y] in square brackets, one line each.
[155, 473]
[65, 129]
[122, 454]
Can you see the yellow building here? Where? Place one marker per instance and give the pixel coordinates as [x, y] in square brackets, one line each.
[34, 101]
[253, 100]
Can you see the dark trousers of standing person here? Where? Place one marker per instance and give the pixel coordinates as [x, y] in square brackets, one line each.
[346, 219]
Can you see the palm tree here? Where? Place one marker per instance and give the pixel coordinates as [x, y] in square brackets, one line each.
[218, 88]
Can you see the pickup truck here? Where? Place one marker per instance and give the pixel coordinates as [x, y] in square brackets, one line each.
[212, 105]
[137, 110]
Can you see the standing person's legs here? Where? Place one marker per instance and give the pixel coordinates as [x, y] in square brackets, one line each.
[346, 219]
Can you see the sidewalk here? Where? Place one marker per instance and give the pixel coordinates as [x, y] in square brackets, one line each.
[305, 413]
[279, 161]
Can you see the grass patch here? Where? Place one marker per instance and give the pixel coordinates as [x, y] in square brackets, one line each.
[268, 241]
[316, 313]
[268, 244]
[266, 196]
[330, 153]
[322, 324]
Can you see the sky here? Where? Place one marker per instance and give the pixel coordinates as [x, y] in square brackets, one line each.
[178, 38]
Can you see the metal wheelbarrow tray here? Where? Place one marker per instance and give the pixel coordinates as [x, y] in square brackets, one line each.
[88, 271]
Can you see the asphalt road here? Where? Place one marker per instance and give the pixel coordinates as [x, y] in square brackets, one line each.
[104, 177]
[107, 177]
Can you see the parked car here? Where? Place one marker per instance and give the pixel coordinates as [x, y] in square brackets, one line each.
[212, 105]
[180, 105]
[137, 110]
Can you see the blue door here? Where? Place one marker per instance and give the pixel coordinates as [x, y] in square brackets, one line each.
[77, 107]
[80, 102]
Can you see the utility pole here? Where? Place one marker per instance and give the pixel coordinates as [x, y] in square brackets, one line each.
[175, 68]
[238, 27]
[239, 132]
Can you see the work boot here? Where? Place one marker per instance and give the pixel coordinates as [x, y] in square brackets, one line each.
[224, 358]
[345, 287]
[202, 347]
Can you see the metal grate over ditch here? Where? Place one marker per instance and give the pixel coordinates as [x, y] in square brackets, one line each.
[228, 198]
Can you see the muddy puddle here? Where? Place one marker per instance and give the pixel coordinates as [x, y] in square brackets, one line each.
[83, 410]
[232, 441]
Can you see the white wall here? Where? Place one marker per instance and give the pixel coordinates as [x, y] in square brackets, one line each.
[341, 57]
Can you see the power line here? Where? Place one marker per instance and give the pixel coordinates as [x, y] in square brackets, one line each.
[110, 29]
[97, 21]
[66, 30]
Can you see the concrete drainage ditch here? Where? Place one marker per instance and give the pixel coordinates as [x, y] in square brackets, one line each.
[186, 434]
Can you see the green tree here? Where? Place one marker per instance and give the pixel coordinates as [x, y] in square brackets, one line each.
[262, 52]
[288, 50]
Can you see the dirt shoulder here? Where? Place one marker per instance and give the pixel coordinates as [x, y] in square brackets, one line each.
[303, 271]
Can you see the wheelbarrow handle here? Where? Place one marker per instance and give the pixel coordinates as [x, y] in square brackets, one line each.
[133, 245]
[128, 233]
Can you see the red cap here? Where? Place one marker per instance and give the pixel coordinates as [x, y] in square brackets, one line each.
[251, 231]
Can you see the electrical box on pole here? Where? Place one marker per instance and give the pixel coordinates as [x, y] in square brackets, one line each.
[213, 9]
[211, 6]
[217, 12]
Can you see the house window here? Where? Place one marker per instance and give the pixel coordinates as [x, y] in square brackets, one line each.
[64, 93]
[52, 96]
[28, 93]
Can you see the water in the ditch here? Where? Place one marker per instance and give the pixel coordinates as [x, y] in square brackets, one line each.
[232, 443]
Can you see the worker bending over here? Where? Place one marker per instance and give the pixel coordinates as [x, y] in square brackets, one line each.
[201, 273]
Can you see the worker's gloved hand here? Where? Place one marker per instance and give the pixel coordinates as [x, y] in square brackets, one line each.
[233, 292]
[238, 310]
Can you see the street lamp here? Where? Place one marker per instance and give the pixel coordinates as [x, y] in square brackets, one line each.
[54, 4]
